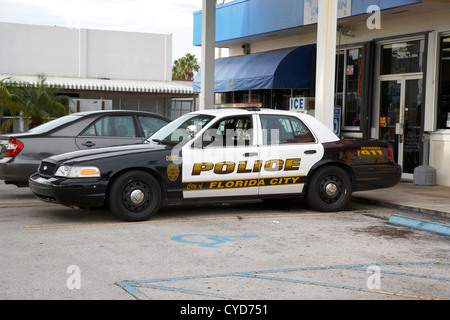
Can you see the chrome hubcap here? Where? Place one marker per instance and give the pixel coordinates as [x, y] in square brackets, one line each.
[137, 197]
[331, 189]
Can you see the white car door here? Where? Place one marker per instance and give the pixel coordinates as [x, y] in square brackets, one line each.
[223, 161]
[288, 150]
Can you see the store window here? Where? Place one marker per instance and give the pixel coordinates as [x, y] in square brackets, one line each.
[269, 98]
[444, 85]
[349, 84]
[402, 57]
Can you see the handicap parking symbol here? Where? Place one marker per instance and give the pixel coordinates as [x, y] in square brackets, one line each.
[211, 241]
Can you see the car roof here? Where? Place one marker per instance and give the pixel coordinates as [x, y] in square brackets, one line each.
[84, 113]
[323, 133]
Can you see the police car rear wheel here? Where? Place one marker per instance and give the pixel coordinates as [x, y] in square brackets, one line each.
[329, 189]
[135, 196]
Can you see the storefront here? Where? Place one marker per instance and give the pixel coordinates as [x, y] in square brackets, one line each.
[440, 134]
[443, 114]
[399, 96]
[392, 81]
[270, 77]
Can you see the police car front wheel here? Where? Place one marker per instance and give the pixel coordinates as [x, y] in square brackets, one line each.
[135, 196]
[329, 189]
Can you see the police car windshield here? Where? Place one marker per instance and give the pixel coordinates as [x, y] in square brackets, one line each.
[177, 131]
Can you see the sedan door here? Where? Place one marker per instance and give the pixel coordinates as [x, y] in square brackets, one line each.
[288, 150]
[109, 130]
[223, 161]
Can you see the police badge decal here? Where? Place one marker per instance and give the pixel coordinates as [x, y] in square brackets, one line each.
[173, 171]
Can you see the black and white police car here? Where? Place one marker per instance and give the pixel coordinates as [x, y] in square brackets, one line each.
[220, 154]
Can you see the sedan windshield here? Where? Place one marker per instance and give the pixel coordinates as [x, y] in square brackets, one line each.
[177, 131]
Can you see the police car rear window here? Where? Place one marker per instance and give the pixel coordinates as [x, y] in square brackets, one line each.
[284, 129]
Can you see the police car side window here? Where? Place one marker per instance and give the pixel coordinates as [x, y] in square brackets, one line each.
[301, 131]
[284, 129]
[229, 132]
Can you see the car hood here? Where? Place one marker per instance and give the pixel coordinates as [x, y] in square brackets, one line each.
[102, 153]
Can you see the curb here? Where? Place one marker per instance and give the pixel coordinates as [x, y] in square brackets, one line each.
[420, 224]
[402, 207]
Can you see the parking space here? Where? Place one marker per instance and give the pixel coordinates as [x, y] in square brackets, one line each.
[250, 250]
[323, 282]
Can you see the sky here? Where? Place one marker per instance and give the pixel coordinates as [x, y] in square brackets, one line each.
[151, 16]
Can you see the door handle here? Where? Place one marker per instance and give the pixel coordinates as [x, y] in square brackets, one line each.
[250, 154]
[88, 144]
[310, 151]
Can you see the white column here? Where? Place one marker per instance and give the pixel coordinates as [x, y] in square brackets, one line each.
[326, 61]
[208, 53]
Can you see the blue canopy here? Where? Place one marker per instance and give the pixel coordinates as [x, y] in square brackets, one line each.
[288, 68]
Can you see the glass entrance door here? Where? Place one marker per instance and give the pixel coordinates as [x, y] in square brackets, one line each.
[390, 114]
[412, 128]
[401, 120]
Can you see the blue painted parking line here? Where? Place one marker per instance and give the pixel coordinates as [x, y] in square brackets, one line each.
[420, 224]
[215, 241]
[135, 287]
[408, 274]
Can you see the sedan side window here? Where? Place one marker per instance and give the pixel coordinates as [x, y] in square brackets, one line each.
[111, 126]
[284, 129]
[229, 132]
[150, 125]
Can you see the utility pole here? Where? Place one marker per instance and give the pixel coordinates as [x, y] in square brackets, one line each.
[326, 61]
[208, 54]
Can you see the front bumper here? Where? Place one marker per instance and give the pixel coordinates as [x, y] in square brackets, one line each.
[89, 192]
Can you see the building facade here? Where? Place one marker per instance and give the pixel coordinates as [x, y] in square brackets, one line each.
[98, 69]
[392, 68]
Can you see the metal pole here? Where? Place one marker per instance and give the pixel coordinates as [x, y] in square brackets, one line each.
[208, 54]
[326, 61]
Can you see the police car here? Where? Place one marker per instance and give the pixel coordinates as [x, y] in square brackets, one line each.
[220, 154]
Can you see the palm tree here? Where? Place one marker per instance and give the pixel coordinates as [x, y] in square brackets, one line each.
[185, 67]
[177, 69]
[37, 103]
[191, 66]
[8, 102]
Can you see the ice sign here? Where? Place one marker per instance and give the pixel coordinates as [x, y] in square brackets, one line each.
[297, 104]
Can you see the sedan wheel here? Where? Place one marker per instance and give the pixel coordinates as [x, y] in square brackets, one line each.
[135, 196]
[329, 189]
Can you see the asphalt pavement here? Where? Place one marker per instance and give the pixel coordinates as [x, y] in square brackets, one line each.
[251, 250]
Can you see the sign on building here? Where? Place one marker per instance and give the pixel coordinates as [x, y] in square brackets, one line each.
[337, 121]
[297, 104]
[311, 10]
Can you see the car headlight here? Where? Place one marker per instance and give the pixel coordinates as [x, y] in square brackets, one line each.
[77, 172]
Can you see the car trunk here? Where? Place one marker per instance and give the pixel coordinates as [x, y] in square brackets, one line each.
[4, 140]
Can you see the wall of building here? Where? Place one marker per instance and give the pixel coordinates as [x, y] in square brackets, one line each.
[440, 157]
[392, 25]
[84, 53]
[429, 20]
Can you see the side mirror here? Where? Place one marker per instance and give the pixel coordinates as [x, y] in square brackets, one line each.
[192, 129]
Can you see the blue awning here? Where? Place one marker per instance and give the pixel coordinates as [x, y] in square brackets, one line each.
[288, 68]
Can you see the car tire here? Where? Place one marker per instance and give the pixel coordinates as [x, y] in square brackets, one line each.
[329, 189]
[135, 196]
